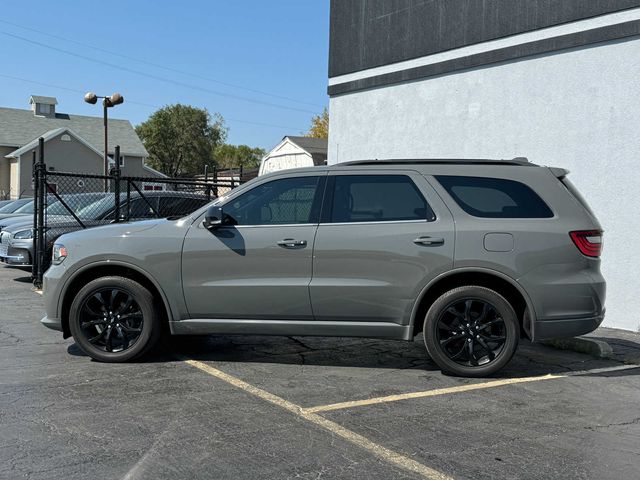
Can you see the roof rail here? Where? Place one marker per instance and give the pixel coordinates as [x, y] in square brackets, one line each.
[518, 161]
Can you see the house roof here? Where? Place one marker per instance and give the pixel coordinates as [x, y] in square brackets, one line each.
[310, 144]
[19, 127]
[41, 99]
[48, 136]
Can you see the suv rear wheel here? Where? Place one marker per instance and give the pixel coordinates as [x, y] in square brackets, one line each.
[114, 319]
[471, 331]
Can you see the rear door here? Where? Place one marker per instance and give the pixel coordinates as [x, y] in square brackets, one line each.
[382, 237]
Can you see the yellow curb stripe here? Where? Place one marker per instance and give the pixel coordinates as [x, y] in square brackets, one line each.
[385, 454]
[429, 393]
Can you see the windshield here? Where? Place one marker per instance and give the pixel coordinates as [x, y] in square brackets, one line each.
[97, 210]
[26, 208]
[75, 202]
[13, 206]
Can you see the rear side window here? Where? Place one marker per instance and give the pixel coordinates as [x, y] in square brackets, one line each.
[495, 197]
[377, 198]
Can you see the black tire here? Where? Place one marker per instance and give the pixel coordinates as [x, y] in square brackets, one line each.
[471, 331]
[114, 319]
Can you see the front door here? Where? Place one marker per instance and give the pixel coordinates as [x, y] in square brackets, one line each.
[382, 237]
[257, 265]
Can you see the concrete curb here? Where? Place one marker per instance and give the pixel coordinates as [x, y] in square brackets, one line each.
[590, 346]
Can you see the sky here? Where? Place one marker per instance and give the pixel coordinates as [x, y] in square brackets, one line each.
[261, 64]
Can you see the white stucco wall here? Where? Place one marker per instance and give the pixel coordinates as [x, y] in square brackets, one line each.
[577, 109]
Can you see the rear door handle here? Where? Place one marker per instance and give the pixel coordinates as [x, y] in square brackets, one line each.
[291, 243]
[429, 241]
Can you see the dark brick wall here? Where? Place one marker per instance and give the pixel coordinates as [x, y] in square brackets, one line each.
[370, 33]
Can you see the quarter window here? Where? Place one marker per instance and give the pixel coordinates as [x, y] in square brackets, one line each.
[279, 202]
[377, 198]
[495, 197]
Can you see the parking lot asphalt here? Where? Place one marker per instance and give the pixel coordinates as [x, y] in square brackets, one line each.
[293, 407]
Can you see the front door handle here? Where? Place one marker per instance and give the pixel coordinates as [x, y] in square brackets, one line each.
[291, 243]
[429, 241]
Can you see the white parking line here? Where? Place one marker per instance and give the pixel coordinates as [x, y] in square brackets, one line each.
[428, 393]
[460, 389]
[385, 454]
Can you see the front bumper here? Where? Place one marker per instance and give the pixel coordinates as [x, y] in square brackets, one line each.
[12, 255]
[52, 323]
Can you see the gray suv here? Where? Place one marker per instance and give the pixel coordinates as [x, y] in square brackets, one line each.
[475, 254]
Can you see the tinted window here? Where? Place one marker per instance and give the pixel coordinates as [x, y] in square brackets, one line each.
[377, 198]
[286, 201]
[174, 206]
[495, 197]
[141, 208]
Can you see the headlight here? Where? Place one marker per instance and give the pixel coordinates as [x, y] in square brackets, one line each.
[59, 253]
[23, 234]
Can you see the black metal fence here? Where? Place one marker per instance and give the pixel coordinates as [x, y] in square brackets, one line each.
[65, 202]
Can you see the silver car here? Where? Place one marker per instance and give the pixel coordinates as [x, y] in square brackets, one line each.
[475, 254]
[16, 234]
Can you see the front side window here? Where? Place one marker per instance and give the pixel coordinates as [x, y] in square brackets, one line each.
[279, 202]
[377, 198]
[495, 197]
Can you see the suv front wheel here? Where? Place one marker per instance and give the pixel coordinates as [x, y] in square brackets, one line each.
[114, 319]
[471, 331]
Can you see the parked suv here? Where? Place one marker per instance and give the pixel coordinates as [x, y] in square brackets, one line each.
[475, 254]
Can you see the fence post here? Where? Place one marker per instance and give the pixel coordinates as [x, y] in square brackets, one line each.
[215, 181]
[40, 246]
[240, 176]
[206, 182]
[116, 186]
[34, 178]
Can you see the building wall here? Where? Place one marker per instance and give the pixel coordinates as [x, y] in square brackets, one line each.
[14, 187]
[370, 33]
[5, 172]
[285, 157]
[134, 167]
[63, 156]
[576, 108]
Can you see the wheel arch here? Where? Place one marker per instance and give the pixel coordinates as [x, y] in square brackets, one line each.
[102, 269]
[483, 277]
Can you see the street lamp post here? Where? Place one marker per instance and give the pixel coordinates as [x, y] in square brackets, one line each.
[107, 102]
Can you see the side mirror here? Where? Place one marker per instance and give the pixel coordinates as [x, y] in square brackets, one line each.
[213, 218]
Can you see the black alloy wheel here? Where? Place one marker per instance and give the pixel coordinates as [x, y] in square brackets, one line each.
[471, 331]
[111, 320]
[114, 319]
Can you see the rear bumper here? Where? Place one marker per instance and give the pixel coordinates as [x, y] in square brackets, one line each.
[52, 323]
[566, 327]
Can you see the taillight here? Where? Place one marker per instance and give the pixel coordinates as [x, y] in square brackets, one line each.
[589, 242]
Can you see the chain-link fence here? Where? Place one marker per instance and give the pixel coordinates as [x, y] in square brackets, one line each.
[74, 201]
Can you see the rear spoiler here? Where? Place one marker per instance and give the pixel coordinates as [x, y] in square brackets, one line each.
[559, 172]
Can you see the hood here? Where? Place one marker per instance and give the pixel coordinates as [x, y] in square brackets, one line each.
[9, 223]
[112, 230]
[15, 215]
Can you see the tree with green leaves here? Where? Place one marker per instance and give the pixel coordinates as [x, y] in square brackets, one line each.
[320, 125]
[234, 156]
[180, 139]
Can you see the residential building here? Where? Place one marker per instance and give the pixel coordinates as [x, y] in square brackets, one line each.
[554, 81]
[73, 143]
[295, 152]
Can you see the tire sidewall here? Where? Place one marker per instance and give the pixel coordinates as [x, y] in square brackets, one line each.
[145, 301]
[503, 308]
